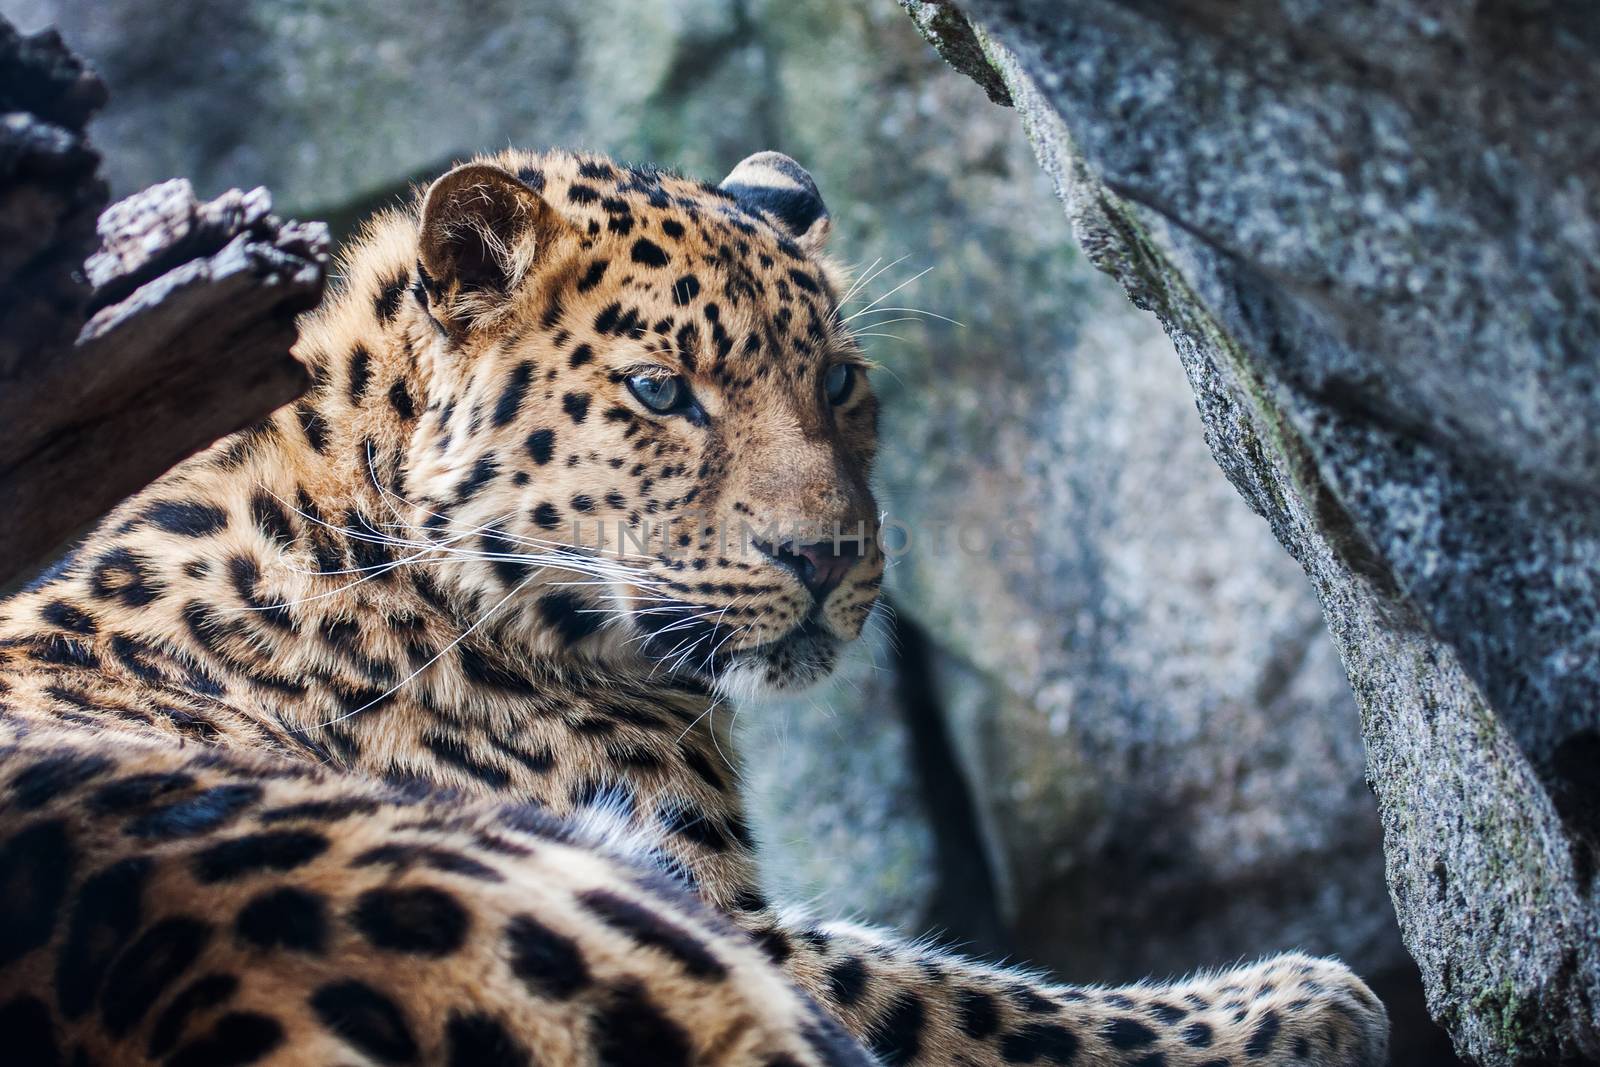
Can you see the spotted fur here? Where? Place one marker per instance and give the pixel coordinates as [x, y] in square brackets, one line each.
[341, 744]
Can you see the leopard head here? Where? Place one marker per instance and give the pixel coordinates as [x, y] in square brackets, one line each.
[646, 419]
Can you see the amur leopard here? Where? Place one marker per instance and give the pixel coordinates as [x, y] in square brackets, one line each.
[369, 736]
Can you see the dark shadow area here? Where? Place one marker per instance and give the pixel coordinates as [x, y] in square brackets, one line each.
[964, 910]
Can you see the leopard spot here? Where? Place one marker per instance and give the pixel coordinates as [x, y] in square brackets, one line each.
[512, 395]
[1128, 1033]
[289, 918]
[313, 426]
[239, 1037]
[104, 917]
[43, 781]
[387, 303]
[367, 1020]
[847, 980]
[400, 856]
[576, 405]
[419, 920]
[593, 276]
[1263, 1035]
[400, 400]
[630, 1031]
[120, 575]
[188, 518]
[29, 1034]
[897, 1039]
[977, 1013]
[479, 1041]
[684, 290]
[147, 968]
[541, 445]
[646, 927]
[359, 372]
[571, 618]
[549, 963]
[202, 813]
[203, 994]
[274, 851]
[456, 753]
[69, 617]
[547, 516]
[650, 254]
[1040, 1042]
[36, 864]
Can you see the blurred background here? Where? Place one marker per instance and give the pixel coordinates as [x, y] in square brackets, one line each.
[1129, 751]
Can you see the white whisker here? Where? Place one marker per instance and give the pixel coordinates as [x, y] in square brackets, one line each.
[887, 295]
[914, 312]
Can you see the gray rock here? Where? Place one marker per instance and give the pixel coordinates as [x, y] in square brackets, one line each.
[1371, 231]
[1141, 687]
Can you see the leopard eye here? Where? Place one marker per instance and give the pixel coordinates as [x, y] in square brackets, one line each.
[838, 382]
[665, 394]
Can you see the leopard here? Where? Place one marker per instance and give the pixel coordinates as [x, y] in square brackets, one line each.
[383, 731]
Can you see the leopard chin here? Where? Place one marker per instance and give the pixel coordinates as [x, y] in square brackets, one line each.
[799, 660]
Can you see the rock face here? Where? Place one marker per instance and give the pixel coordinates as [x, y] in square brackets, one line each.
[1372, 232]
[1138, 685]
[1126, 749]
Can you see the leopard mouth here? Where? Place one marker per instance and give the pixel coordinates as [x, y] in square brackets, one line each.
[800, 658]
[809, 630]
[802, 655]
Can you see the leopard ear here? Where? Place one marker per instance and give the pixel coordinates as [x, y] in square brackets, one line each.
[773, 183]
[482, 230]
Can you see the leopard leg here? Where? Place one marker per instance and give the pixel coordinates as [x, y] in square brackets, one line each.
[914, 1004]
[188, 907]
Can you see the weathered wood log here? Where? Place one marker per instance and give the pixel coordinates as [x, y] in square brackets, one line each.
[175, 333]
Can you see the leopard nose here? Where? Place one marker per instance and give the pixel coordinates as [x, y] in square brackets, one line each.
[820, 565]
